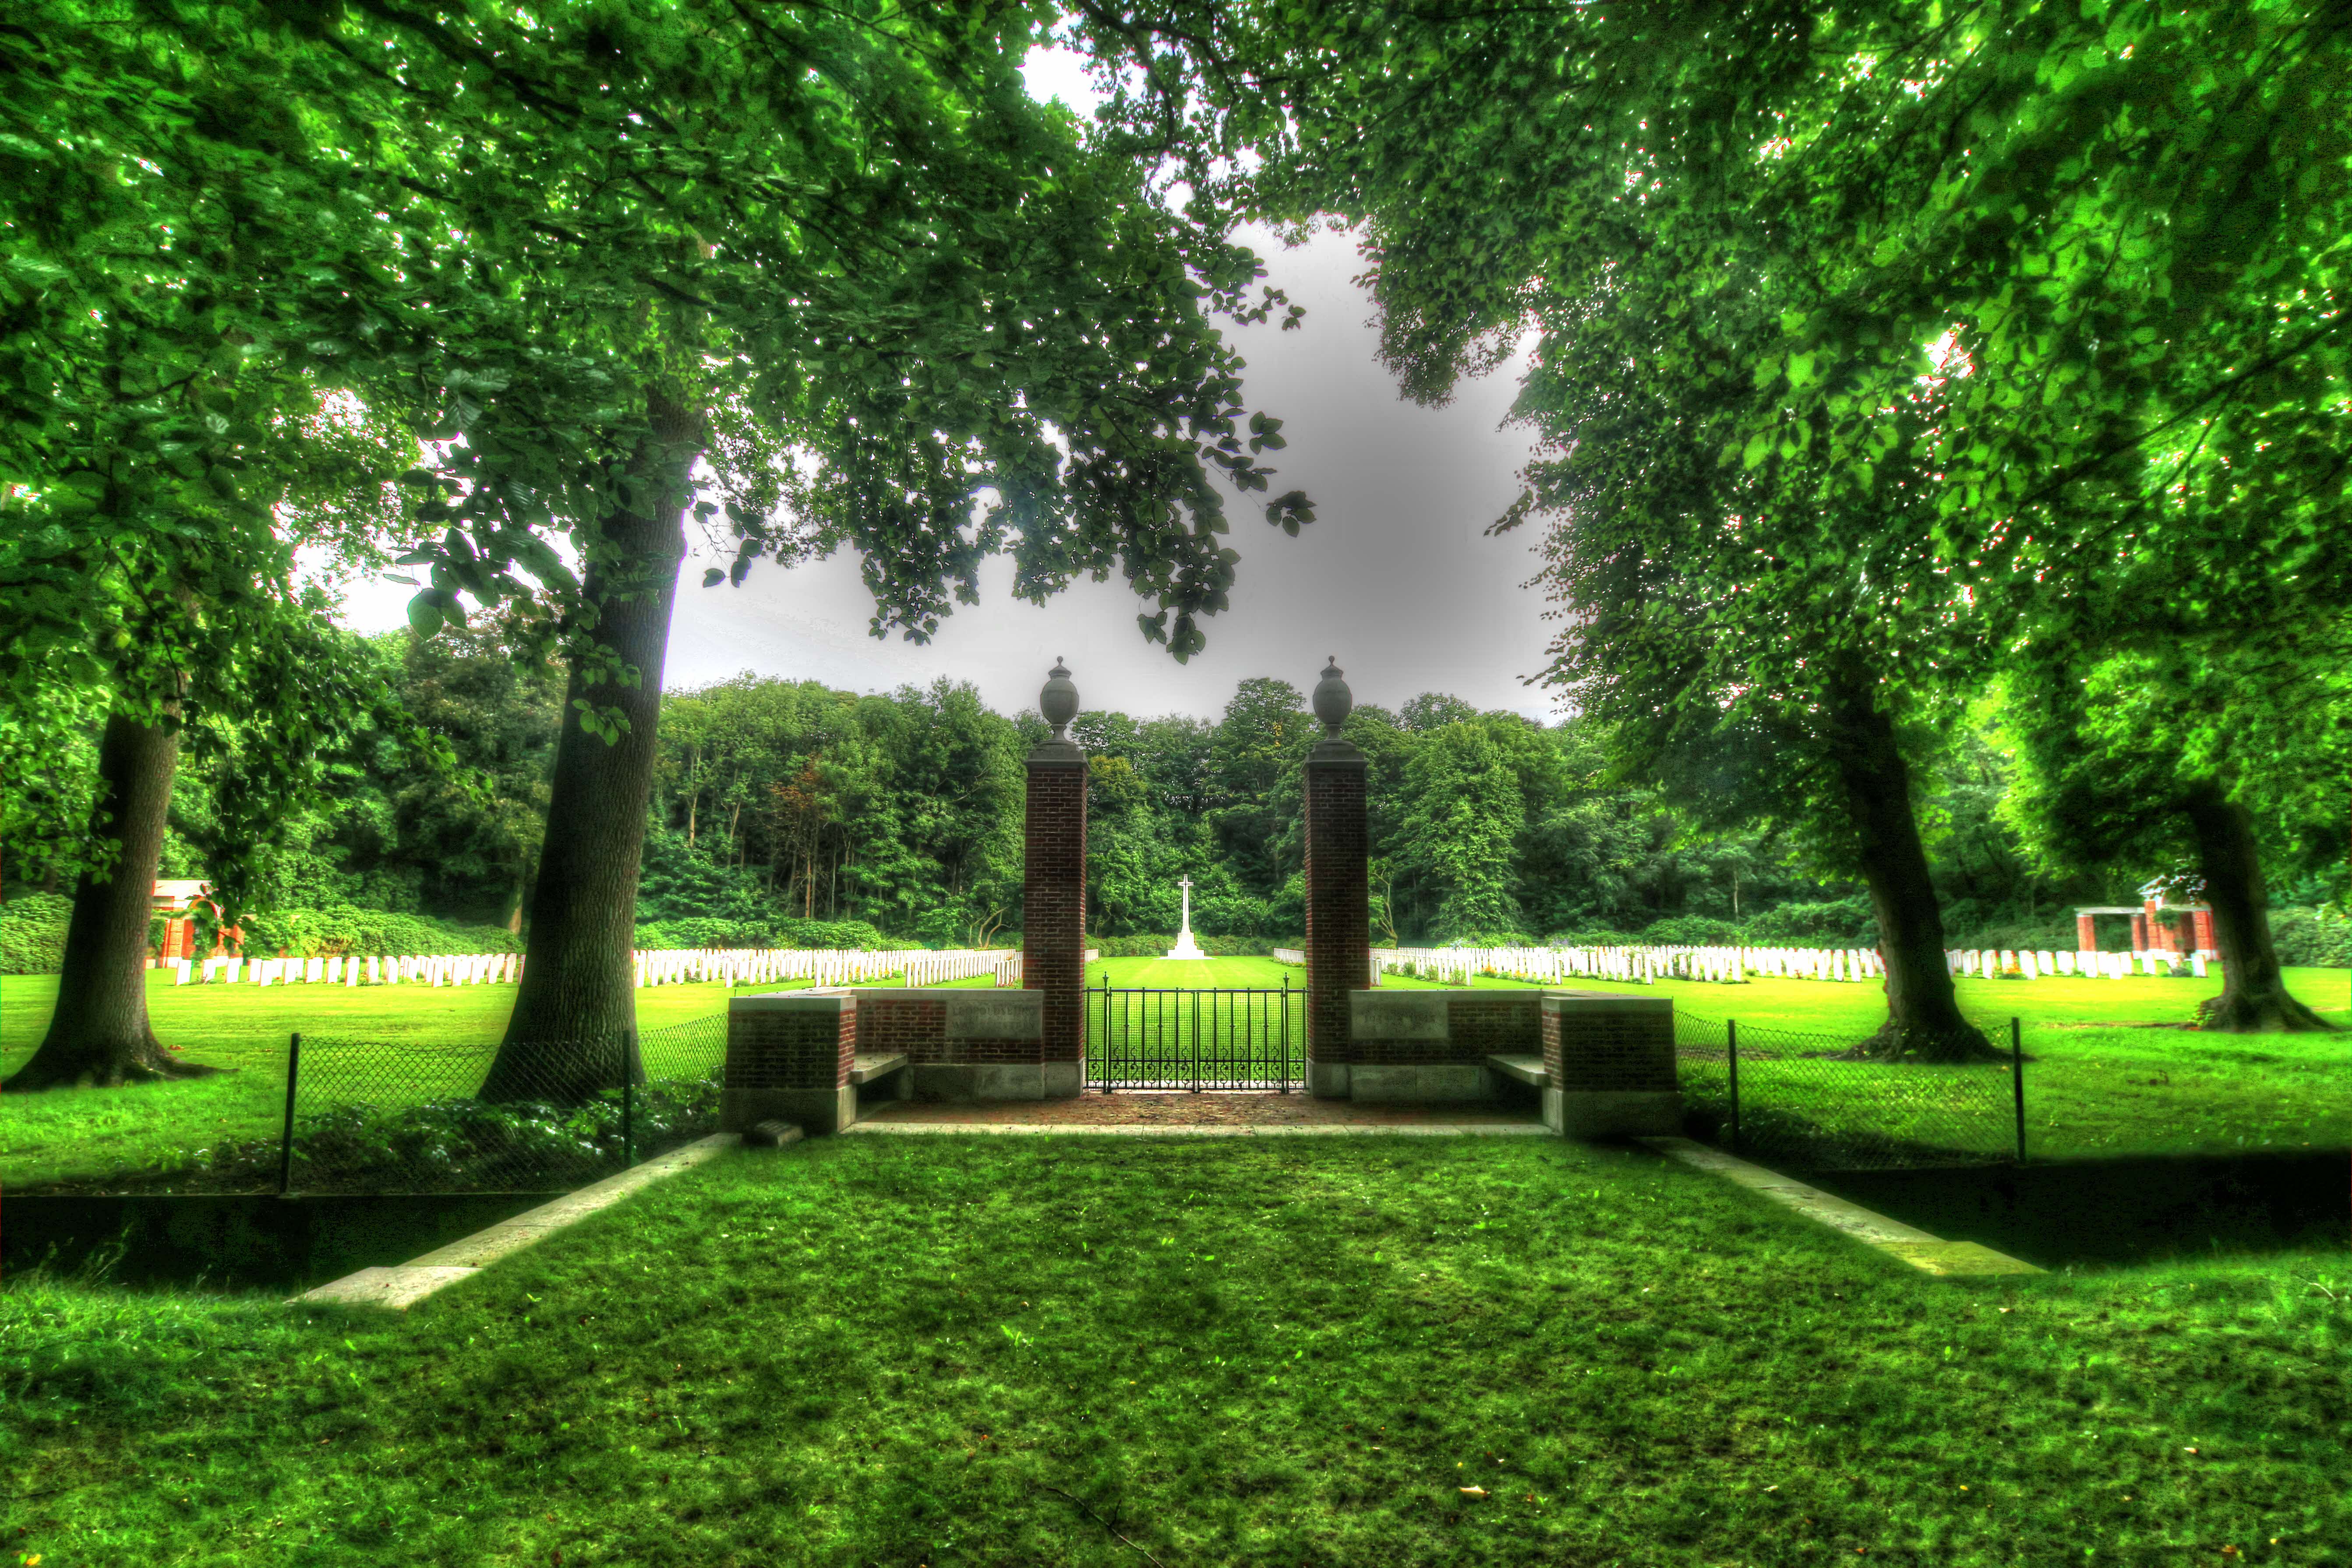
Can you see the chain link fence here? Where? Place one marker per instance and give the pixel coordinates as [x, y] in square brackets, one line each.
[1815, 1103]
[371, 1116]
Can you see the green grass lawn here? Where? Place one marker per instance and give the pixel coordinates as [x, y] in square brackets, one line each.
[63, 1134]
[2100, 1081]
[1278, 1352]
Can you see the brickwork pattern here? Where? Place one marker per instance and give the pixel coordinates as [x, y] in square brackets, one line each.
[914, 1024]
[1482, 1026]
[1053, 912]
[1475, 1028]
[1604, 1051]
[809, 1049]
[1338, 904]
[920, 1025]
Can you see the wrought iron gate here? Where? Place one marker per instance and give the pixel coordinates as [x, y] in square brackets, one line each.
[1145, 1039]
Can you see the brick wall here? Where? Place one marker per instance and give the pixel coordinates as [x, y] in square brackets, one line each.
[906, 1021]
[1339, 899]
[1053, 897]
[1506, 1026]
[1475, 1028]
[924, 1027]
[807, 1047]
[1610, 1048]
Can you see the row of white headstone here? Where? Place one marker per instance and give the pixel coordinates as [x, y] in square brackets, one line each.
[664, 966]
[1987, 963]
[435, 969]
[1733, 965]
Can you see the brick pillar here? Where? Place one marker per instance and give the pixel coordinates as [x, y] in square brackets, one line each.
[1608, 1064]
[2140, 922]
[2204, 926]
[1054, 891]
[2086, 933]
[1339, 892]
[788, 1059]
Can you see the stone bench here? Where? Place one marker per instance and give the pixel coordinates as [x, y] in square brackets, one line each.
[1526, 1069]
[872, 1066]
[866, 1066]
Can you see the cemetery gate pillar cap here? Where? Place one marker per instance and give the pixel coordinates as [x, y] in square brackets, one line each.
[1058, 703]
[1333, 703]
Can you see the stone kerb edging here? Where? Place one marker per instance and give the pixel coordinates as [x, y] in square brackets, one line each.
[399, 1287]
[1928, 1253]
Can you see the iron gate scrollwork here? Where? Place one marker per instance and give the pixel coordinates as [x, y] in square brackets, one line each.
[1169, 1039]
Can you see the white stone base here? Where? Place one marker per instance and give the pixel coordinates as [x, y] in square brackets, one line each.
[1186, 948]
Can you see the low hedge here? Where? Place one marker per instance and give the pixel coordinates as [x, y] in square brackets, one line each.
[33, 933]
[696, 932]
[340, 929]
[1153, 944]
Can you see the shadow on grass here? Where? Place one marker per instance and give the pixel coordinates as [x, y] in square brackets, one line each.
[2112, 1213]
[237, 1242]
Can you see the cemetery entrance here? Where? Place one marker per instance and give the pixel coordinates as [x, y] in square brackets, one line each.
[1152, 1039]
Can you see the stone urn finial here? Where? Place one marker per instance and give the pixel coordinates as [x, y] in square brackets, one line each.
[1059, 700]
[1333, 700]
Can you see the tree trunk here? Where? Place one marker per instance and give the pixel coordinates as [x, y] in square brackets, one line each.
[2254, 996]
[577, 1002]
[99, 1031]
[1923, 1013]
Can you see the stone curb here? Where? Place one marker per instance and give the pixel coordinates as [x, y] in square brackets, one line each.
[400, 1288]
[1147, 1130]
[1928, 1253]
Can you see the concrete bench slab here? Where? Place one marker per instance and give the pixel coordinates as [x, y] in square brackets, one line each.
[866, 1066]
[1527, 1070]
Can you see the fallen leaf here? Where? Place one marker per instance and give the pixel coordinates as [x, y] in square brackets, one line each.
[1471, 1491]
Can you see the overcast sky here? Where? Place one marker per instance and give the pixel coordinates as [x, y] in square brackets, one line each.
[1394, 575]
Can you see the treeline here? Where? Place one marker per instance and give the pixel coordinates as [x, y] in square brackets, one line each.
[789, 813]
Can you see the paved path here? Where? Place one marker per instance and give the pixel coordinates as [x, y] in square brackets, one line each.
[1204, 1109]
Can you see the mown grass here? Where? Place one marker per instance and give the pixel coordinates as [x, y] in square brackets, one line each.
[2104, 1076]
[1276, 1351]
[65, 1133]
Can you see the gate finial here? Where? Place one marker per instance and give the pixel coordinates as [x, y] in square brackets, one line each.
[1333, 700]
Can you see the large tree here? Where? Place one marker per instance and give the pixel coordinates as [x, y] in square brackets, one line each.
[833, 276]
[188, 261]
[2191, 763]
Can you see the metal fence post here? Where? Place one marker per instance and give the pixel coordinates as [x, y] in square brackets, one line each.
[286, 1140]
[1731, 1045]
[2017, 1079]
[628, 1097]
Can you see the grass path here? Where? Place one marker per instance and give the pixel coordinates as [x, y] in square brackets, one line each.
[880, 1351]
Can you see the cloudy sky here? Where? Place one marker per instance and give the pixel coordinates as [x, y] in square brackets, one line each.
[1394, 577]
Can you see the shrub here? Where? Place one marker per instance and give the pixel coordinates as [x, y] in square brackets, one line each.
[702, 932]
[466, 1142]
[340, 929]
[1846, 922]
[1490, 938]
[1691, 931]
[2309, 938]
[33, 933]
[1596, 937]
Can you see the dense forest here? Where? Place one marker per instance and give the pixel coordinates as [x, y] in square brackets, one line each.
[787, 810]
